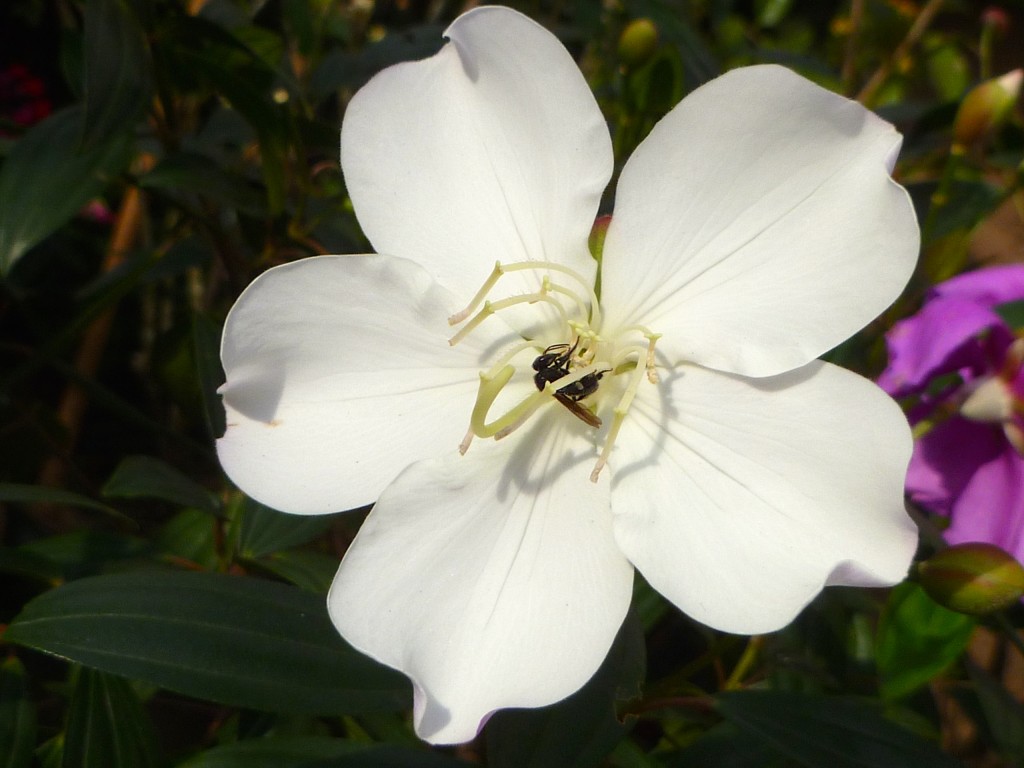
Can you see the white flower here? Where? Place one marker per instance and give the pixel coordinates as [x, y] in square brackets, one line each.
[754, 229]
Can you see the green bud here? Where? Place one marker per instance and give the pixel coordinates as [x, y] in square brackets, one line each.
[638, 42]
[986, 107]
[973, 578]
[597, 235]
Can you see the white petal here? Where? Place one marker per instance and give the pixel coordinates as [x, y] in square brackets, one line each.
[492, 580]
[494, 149]
[757, 226]
[739, 499]
[339, 375]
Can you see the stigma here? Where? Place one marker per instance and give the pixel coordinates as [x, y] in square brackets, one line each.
[572, 364]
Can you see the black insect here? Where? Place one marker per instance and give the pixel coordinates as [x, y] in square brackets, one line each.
[552, 365]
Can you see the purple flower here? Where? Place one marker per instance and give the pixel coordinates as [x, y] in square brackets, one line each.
[960, 364]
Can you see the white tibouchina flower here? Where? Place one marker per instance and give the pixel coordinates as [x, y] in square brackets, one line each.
[680, 425]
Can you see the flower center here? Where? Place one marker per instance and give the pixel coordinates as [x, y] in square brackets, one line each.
[570, 371]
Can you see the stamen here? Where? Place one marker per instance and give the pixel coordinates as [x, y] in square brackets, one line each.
[491, 307]
[490, 388]
[496, 273]
[549, 389]
[621, 409]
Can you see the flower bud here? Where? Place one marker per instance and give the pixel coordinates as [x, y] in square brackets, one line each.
[974, 578]
[996, 19]
[638, 42]
[986, 107]
[597, 235]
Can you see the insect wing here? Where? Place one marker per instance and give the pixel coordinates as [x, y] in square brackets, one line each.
[578, 411]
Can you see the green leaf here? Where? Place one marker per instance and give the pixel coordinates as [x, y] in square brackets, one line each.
[206, 353]
[29, 564]
[117, 69]
[190, 536]
[265, 530]
[1012, 313]
[40, 494]
[17, 717]
[388, 756]
[47, 179]
[829, 731]
[289, 752]
[917, 639]
[726, 746]
[84, 553]
[196, 174]
[144, 477]
[233, 640]
[580, 730]
[107, 727]
[312, 571]
[1004, 715]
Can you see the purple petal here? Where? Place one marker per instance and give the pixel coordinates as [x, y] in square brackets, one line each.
[991, 506]
[942, 338]
[987, 287]
[946, 459]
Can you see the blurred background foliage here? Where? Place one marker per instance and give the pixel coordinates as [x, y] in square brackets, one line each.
[157, 155]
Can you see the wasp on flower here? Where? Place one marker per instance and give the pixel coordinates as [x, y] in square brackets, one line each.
[678, 422]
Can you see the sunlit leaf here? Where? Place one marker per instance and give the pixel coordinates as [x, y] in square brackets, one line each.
[229, 639]
[917, 639]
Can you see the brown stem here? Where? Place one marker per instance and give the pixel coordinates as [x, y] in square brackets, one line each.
[917, 29]
[71, 409]
[849, 71]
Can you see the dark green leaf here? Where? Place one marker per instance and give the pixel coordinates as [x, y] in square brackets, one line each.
[344, 69]
[968, 202]
[84, 553]
[917, 639]
[190, 536]
[265, 530]
[290, 752]
[39, 494]
[229, 639]
[829, 731]
[29, 564]
[144, 477]
[196, 174]
[47, 179]
[580, 730]
[726, 746]
[107, 727]
[206, 352]
[1004, 715]
[1012, 313]
[389, 757]
[311, 571]
[248, 91]
[17, 717]
[117, 81]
